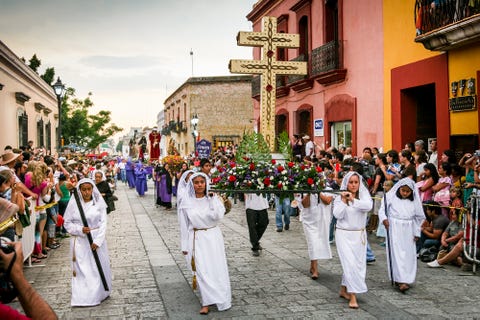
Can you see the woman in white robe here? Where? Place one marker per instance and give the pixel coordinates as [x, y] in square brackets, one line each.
[182, 216]
[351, 210]
[206, 248]
[87, 286]
[403, 220]
[316, 217]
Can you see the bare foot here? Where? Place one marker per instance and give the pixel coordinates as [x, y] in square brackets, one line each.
[204, 310]
[403, 287]
[353, 301]
[344, 295]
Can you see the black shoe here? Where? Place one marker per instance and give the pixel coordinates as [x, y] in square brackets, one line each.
[370, 261]
[279, 229]
[287, 226]
[255, 253]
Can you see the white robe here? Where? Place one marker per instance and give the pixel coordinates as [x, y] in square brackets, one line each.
[316, 226]
[351, 241]
[209, 249]
[405, 222]
[87, 286]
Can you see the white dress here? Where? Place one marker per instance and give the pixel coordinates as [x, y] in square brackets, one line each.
[87, 286]
[316, 226]
[405, 219]
[205, 242]
[351, 241]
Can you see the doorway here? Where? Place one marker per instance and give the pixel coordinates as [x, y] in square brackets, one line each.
[419, 113]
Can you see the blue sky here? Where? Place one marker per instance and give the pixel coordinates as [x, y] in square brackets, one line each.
[130, 54]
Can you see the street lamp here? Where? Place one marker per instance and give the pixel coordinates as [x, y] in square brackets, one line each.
[59, 89]
[194, 123]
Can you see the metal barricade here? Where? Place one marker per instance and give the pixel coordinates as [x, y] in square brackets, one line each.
[470, 227]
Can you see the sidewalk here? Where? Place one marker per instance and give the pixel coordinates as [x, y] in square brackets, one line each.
[151, 279]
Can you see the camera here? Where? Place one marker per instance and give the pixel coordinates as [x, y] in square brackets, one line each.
[477, 153]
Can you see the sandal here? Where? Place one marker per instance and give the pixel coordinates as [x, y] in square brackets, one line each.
[39, 256]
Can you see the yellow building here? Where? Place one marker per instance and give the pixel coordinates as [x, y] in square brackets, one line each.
[431, 71]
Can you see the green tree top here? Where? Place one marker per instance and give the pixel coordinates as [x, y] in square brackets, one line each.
[88, 130]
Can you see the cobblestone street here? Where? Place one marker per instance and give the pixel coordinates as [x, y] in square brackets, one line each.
[151, 280]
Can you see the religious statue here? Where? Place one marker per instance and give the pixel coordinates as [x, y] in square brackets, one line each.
[154, 138]
[143, 148]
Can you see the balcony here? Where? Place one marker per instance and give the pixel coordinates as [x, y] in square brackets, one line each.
[327, 63]
[300, 82]
[447, 26]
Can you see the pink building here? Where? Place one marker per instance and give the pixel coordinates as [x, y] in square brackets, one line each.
[340, 101]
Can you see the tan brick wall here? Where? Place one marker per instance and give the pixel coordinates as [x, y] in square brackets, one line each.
[224, 108]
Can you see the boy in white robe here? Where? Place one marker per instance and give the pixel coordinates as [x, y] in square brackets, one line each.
[403, 220]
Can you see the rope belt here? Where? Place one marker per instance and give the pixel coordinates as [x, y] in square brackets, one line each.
[74, 257]
[363, 236]
[192, 262]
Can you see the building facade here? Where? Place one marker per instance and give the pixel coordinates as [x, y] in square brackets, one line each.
[28, 105]
[222, 106]
[432, 73]
[339, 101]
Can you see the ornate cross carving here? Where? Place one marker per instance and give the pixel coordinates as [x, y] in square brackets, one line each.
[268, 68]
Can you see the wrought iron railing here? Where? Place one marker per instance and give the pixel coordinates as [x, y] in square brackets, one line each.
[326, 58]
[294, 77]
[431, 15]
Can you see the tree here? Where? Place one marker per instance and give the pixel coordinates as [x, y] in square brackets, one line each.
[87, 130]
[49, 75]
[34, 63]
[253, 147]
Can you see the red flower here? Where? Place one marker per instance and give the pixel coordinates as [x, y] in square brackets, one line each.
[302, 167]
[310, 181]
[319, 169]
[291, 164]
[273, 161]
[252, 166]
[280, 168]
[216, 180]
[279, 185]
[233, 164]
[232, 178]
[266, 181]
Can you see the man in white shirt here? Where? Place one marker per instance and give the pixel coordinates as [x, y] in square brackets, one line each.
[257, 219]
[309, 146]
[434, 155]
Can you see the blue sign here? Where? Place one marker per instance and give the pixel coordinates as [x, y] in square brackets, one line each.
[204, 148]
[318, 128]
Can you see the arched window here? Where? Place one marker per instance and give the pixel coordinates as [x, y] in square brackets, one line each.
[303, 31]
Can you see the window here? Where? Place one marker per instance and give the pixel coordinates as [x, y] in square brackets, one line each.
[40, 133]
[341, 133]
[22, 129]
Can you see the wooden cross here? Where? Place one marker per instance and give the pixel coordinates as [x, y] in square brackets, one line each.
[268, 68]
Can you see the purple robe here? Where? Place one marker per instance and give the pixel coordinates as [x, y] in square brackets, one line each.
[140, 179]
[130, 174]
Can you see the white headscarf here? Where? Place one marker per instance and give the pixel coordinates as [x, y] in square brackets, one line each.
[392, 194]
[363, 191]
[96, 196]
[182, 183]
[188, 196]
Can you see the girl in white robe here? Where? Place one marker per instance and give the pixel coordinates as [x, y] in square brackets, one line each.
[182, 216]
[87, 286]
[351, 210]
[316, 217]
[206, 248]
[403, 221]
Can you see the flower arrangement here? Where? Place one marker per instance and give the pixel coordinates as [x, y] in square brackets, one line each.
[174, 161]
[269, 177]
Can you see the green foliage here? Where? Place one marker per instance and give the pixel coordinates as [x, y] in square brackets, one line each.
[284, 146]
[78, 126]
[49, 75]
[34, 63]
[253, 147]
